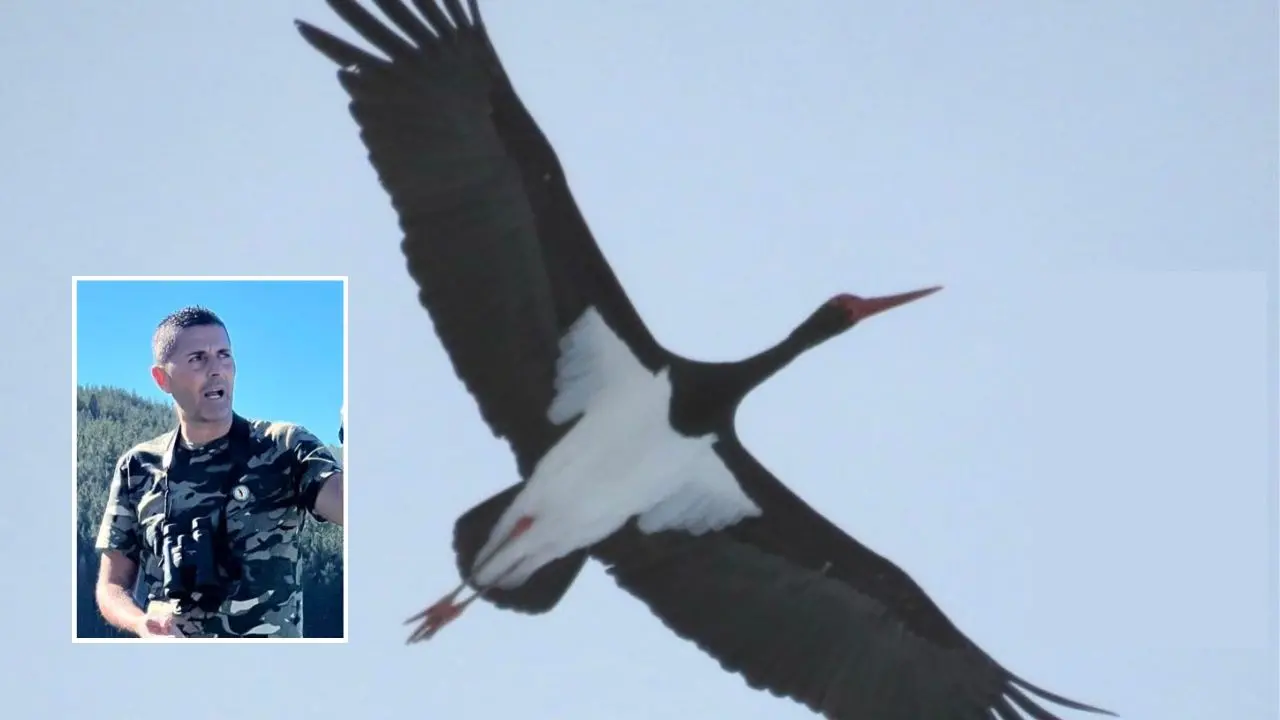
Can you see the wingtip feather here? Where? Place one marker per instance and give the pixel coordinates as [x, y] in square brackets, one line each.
[1058, 699]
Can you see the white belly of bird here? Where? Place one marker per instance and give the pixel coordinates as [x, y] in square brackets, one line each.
[622, 459]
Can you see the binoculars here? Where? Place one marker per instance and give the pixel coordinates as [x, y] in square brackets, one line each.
[189, 563]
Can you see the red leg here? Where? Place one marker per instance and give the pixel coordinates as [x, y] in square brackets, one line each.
[521, 527]
[446, 610]
[437, 616]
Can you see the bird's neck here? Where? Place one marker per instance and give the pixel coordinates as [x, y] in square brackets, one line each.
[709, 394]
[750, 373]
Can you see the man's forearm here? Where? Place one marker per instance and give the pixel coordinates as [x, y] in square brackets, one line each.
[117, 606]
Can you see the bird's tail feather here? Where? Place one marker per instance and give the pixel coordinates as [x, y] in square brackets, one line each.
[543, 590]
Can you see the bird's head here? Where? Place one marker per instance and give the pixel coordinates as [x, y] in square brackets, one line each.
[841, 312]
[833, 317]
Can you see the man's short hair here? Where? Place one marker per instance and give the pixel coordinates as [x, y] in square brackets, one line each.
[166, 334]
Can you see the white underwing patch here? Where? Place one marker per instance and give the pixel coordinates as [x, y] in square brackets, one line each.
[621, 460]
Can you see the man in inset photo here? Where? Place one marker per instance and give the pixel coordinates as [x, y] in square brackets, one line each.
[204, 519]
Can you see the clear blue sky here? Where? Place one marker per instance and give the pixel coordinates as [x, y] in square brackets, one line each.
[1072, 447]
[286, 335]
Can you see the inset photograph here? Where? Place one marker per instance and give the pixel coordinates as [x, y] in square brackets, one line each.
[210, 426]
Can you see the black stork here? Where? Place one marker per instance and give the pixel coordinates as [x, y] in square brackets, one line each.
[627, 451]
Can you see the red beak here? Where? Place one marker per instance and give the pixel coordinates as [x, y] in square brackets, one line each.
[862, 308]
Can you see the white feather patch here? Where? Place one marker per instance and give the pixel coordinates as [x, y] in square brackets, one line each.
[707, 499]
[593, 360]
[621, 460]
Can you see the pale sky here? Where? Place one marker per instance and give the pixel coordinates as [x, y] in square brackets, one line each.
[1071, 447]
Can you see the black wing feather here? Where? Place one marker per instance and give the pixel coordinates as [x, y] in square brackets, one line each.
[801, 610]
[566, 236]
[502, 257]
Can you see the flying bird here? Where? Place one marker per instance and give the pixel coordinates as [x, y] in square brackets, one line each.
[627, 452]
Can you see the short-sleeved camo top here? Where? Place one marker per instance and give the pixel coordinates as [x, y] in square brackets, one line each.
[281, 473]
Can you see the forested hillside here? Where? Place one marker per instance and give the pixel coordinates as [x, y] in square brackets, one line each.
[109, 422]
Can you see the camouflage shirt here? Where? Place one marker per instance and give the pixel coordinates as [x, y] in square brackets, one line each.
[282, 468]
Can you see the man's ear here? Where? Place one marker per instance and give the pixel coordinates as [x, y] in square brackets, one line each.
[161, 377]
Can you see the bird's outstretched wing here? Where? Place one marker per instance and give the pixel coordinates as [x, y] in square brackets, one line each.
[801, 610]
[502, 257]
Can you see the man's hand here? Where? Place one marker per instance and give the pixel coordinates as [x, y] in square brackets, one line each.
[154, 627]
[157, 623]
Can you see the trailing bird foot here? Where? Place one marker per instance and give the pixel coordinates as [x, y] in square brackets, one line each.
[446, 609]
[438, 615]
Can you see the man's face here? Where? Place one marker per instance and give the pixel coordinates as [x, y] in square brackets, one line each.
[200, 373]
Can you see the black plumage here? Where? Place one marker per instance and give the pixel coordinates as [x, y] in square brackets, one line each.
[505, 264]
